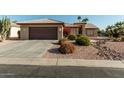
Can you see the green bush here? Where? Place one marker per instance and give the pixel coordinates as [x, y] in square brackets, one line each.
[79, 35]
[67, 48]
[116, 39]
[62, 41]
[122, 38]
[72, 37]
[83, 40]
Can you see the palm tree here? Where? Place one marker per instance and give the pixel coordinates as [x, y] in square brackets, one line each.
[85, 20]
[79, 18]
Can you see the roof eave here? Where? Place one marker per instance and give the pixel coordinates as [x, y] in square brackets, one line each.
[40, 23]
[73, 26]
[92, 28]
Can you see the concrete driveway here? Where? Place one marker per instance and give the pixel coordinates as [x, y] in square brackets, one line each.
[24, 49]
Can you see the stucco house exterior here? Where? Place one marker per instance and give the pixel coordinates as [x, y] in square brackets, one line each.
[53, 29]
[41, 29]
[87, 29]
[14, 31]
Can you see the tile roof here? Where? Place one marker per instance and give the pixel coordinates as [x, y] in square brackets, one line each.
[40, 21]
[89, 25]
[71, 25]
[52, 21]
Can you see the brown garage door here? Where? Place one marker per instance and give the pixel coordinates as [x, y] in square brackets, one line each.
[43, 33]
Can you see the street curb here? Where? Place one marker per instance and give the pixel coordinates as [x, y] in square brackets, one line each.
[61, 62]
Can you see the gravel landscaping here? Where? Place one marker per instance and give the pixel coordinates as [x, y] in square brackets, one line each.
[82, 52]
[117, 46]
[85, 52]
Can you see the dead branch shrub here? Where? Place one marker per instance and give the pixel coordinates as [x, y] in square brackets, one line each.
[61, 41]
[67, 48]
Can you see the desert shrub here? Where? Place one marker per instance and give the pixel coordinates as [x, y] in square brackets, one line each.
[72, 37]
[67, 48]
[79, 35]
[62, 40]
[122, 38]
[116, 39]
[83, 40]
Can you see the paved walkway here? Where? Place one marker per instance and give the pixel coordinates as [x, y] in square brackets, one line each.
[62, 62]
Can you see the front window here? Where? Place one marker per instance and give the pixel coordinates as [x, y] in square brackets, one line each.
[90, 33]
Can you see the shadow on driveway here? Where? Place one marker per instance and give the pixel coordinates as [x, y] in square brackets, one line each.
[26, 71]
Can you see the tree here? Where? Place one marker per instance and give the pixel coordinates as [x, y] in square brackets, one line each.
[115, 30]
[102, 32]
[4, 27]
[120, 27]
[85, 20]
[79, 18]
[109, 30]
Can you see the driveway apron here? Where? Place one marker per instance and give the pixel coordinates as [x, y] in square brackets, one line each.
[25, 49]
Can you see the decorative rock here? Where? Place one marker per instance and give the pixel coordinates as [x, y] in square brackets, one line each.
[106, 52]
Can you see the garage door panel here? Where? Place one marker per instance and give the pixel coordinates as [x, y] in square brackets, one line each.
[43, 37]
[43, 32]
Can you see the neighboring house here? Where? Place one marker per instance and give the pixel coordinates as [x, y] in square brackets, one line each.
[53, 29]
[74, 29]
[14, 30]
[83, 28]
[91, 30]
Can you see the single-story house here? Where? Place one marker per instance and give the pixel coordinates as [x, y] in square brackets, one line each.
[14, 30]
[91, 30]
[41, 29]
[87, 29]
[53, 29]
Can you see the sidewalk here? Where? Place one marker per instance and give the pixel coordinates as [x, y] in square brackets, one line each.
[62, 62]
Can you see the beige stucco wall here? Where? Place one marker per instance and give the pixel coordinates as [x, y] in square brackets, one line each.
[24, 33]
[60, 32]
[14, 32]
[74, 31]
[83, 29]
[91, 32]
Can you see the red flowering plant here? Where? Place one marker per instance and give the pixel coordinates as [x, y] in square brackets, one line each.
[66, 31]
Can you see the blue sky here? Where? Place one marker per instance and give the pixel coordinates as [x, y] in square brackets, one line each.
[99, 20]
